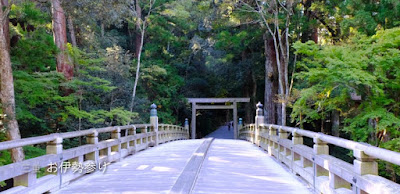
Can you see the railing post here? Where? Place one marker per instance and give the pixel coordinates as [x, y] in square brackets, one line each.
[135, 141]
[154, 121]
[296, 140]
[363, 164]
[93, 139]
[281, 149]
[131, 144]
[116, 134]
[283, 134]
[187, 127]
[320, 148]
[29, 179]
[336, 182]
[259, 120]
[53, 147]
[271, 144]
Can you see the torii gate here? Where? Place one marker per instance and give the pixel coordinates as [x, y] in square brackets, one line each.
[195, 106]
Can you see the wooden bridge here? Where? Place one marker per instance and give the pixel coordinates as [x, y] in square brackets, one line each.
[159, 158]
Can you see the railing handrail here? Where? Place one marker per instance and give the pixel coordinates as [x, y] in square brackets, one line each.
[6, 145]
[376, 152]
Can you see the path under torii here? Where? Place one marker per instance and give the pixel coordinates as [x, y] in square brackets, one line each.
[204, 103]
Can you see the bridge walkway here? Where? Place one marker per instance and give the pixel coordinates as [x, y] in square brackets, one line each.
[227, 166]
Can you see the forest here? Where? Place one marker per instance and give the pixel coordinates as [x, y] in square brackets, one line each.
[329, 66]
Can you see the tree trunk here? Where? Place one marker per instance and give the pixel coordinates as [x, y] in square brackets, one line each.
[102, 29]
[335, 123]
[137, 68]
[279, 113]
[138, 49]
[248, 89]
[315, 35]
[131, 39]
[248, 106]
[60, 39]
[311, 32]
[270, 81]
[138, 37]
[7, 86]
[254, 91]
[6, 26]
[281, 81]
[72, 31]
[281, 47]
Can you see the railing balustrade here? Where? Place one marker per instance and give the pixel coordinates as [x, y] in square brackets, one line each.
[88, 158]
[324, 172]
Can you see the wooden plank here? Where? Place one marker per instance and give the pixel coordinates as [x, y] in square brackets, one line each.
[226, 166]
[187, 179]
[233, 166]
[154, 170]
[217, 100]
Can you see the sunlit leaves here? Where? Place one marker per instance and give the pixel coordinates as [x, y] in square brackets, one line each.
[369, 67]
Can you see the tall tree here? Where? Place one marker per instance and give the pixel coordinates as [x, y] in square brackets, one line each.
[138, 37]
[275, 16]
[60, 39]
[271, 80]
[7, 84]
[4, 3]
[141, 25]
[72, 31]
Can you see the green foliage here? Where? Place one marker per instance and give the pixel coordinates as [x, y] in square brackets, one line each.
[365, 67]
[29, 13]
[88, 85]
[5, 158]
[33, 152]
[38, 100]
[35, 52]
[368, 16]
[119, 115]
[34, 48]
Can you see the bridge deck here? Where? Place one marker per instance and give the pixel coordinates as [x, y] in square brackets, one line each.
[151, 171]
[234, 166]
[230, 166]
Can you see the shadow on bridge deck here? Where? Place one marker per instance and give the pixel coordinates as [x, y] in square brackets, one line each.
[229, 166]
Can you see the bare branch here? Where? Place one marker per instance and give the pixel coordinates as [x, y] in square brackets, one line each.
[283, 6]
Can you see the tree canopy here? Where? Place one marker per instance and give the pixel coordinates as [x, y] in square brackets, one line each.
[328, 66]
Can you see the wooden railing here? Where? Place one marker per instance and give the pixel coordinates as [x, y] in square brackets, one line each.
[91, 157]
[326, 173]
